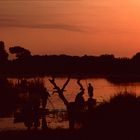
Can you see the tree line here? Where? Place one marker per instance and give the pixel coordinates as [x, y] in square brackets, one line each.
[26, 64]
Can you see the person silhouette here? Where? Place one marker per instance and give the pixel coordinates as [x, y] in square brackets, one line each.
[44, 97]
[91, 101]
[36, 105]
[80, 101]
[90, 90]
[79, 108]
[28, 114]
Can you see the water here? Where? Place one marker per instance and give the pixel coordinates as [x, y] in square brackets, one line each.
[103, 90]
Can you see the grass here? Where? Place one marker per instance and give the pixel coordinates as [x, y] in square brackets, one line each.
[118, 117]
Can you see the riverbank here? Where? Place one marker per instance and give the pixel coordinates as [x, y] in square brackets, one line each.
[116, 119]
[54, 134]
[65, 134]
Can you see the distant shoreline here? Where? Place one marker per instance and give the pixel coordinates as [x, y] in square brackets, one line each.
[113, 78]
[117, 70]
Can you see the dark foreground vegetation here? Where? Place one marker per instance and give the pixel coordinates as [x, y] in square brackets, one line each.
[118, 118]
[57, 134]
[26, 64]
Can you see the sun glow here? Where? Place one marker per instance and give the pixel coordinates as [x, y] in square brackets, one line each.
[72, 27]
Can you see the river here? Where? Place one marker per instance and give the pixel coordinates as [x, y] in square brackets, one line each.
[103, 90]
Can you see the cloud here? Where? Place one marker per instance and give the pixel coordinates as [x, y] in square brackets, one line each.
[55, 26]
[11, 22]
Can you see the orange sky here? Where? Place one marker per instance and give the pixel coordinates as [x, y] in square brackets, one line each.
[72, 27]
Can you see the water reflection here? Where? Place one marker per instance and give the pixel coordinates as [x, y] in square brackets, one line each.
[103, 89]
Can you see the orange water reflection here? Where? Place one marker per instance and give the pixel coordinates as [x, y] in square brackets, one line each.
[103, 91]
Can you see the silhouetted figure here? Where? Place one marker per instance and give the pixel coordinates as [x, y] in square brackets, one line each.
[71, 114]
[79, 104]
[90, 90]
[79, 108]
[79, 101]
[44, 121]
[44, 97]
[31, 113]
[28, 114]
[36, 117]
[35, 89]
[91, 101]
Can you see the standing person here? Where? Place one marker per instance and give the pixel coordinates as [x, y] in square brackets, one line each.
[91, 101]
[28, 114]
[34, 96]
[79, 108]
[36, 104]
[90, 90]
[44, 97]
[80, 101]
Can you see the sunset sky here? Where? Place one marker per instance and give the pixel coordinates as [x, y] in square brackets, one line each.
[73, 27]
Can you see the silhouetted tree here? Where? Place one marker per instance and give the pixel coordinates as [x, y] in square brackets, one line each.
[107, 56]
[70, 106]
[20, 52]
[8, 97]
[3, 53]
[60, 91]
[61, 65]
[136, 57]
